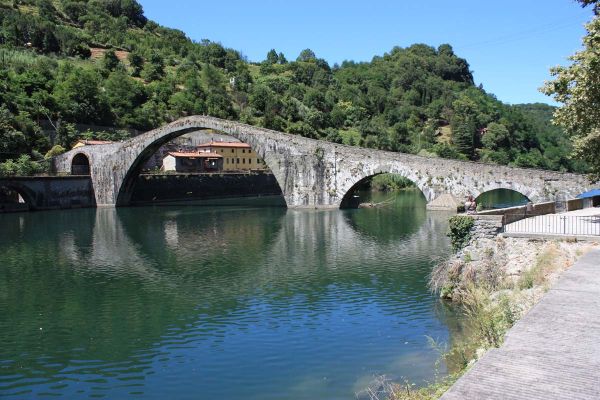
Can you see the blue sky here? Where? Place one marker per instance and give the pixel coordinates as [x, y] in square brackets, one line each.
[509, 44]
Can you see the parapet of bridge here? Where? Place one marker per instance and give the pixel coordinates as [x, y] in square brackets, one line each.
[318, 174]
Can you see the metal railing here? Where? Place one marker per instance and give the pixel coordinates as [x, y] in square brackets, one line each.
[556, 224]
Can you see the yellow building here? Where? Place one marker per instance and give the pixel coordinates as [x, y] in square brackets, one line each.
[237, 156]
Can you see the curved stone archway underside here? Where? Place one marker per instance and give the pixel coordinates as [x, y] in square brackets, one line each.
[22, 190]
[318, 174]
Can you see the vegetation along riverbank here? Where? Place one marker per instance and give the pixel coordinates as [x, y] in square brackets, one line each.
[496, 281]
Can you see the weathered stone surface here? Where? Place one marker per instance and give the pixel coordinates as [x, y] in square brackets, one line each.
[313, 173]
[49, 192]
[445, 202]
[486, 227]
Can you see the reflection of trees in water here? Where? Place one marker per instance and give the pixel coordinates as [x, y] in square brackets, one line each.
[500, 198]
[402, 214]
[122, 280]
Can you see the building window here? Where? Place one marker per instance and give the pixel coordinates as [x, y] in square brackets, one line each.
[232, 150]
[238, 161]
[243, 161]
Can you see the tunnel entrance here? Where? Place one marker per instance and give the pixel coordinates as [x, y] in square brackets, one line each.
[80, 165]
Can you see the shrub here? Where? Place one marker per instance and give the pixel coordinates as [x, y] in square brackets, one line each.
[23, 166]
[56, 150]
[459, 230]
[390, 182]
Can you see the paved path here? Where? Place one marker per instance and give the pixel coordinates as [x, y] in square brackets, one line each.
[553, 352]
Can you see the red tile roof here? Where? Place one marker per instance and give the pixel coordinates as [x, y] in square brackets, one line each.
[194, 155]
[238, 145]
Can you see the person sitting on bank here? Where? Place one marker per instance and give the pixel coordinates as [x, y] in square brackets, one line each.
[470, 205]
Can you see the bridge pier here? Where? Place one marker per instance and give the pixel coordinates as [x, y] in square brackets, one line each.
[445, 202]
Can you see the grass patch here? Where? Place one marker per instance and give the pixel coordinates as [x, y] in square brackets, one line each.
[545, 265]
[382, 389]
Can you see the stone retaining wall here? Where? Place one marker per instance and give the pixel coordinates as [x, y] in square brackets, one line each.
[48, 193]
[486, 227]
[185, 187]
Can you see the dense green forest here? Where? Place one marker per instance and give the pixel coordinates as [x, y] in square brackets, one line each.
[68, 63]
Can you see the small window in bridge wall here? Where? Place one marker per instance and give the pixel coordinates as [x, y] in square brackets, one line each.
[80, 165]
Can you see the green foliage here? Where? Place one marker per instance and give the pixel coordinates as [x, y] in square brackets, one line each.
[576, 86]
[110, 61]
[587, 149]
[390, 182]
[464, 126]
[136, 61]
[490, 319]
[306, 55]
[272, 57]
[459, 230]
[22, 166]
[154, 69]
[418, 99]
[56, 150]
[66, 134]
[78, 95]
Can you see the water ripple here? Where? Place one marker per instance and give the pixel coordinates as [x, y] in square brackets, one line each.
[231, 303]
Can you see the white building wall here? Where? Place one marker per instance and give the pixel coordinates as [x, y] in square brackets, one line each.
[169, 163]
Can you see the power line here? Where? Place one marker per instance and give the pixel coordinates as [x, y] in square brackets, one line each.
[520, 35]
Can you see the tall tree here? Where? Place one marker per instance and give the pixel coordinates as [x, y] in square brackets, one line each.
[272, 57]
[578, 88]
[307, 55]
[110, 61]
[464, 126]
[136, 61]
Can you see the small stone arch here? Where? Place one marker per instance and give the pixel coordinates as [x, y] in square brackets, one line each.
[501, 198]
[80, 164]
[527, 192]
[346, 201]
[24, 194]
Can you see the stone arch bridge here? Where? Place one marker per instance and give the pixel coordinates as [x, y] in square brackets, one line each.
[313, 173]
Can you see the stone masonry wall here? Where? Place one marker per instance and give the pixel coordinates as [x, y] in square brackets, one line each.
[486, 227]
[313, 173]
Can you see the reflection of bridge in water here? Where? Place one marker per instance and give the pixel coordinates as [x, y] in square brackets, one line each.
[293, 238]
[279, 251]
[191, 277]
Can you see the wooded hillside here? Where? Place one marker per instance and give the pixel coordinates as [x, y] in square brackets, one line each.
[102, 62]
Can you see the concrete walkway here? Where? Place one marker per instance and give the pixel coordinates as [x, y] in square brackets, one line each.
[584, 222]
[553, 352]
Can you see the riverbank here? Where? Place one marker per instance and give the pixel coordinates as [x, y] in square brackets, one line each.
[496, 282]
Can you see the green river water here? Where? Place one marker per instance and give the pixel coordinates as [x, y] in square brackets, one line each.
[219, 302]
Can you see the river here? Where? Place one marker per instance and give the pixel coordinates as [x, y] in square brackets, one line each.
[219, 302]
